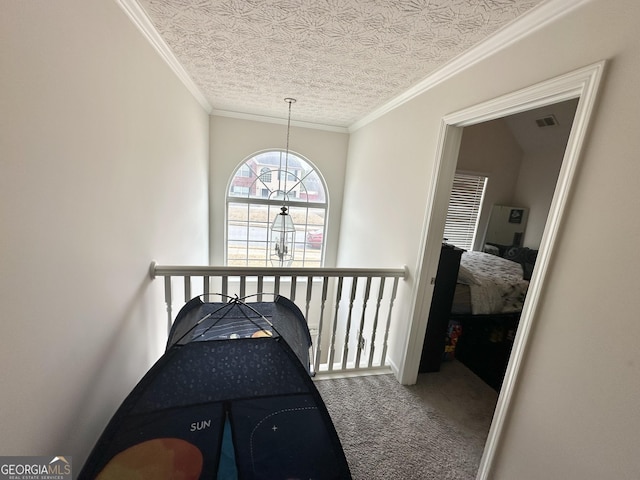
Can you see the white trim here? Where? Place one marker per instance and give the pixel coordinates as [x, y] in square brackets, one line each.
[449, 140]
[278, 121]
[533, 20]
[156, 270]
[582, 84]
[333, 375]
[140, 19]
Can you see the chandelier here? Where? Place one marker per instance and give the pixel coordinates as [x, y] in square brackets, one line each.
[283, 231]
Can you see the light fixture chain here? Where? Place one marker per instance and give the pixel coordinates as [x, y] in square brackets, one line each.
[290, 101]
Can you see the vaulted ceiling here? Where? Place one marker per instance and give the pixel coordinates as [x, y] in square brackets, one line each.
[341, 59]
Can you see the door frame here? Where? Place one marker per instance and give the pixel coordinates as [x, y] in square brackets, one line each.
[582, 84]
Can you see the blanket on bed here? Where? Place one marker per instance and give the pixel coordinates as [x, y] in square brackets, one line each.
[495, 283]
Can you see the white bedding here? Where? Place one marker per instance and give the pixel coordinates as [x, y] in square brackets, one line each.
[495, 283]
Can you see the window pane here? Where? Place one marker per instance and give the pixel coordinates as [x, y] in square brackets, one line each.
[313, 189]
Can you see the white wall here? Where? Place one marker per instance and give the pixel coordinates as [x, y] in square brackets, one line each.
[104, 164]
[234, 140]
[574, 415]
[387, 182]
[535, 188]
[490, 149]
[515, 177]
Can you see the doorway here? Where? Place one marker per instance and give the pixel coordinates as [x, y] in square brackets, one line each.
[582, 85]
[520, 156]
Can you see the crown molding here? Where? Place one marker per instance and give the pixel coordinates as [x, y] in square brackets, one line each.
[535, 19]
[140, 19]
[279, 121]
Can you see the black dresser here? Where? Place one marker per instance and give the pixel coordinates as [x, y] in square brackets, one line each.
[443, 291]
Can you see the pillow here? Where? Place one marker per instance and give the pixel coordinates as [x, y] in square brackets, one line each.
[525, 257]
[515, 254]
[465, 277]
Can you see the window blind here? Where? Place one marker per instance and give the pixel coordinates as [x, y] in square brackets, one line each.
[464, 210]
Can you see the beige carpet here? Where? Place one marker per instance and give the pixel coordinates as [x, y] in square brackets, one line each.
[435, 429]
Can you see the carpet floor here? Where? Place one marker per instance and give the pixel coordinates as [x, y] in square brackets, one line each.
[435, 429]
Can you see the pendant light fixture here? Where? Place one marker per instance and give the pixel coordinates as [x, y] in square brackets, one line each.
[283, 231]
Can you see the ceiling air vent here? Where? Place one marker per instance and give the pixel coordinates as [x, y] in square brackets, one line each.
[548, 121]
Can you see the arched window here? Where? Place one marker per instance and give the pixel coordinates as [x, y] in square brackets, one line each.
[258, 189]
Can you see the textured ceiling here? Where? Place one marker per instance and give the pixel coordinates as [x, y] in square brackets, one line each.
[341, 59]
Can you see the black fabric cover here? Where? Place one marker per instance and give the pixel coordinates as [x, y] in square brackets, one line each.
[225, 361]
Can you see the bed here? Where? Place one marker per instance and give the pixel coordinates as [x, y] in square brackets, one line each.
[489, 284]
[489, 295]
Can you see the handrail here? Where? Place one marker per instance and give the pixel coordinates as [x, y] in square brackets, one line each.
[349, 336]
[199, 270]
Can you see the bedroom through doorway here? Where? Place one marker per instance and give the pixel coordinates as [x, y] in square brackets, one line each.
[521, 156]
